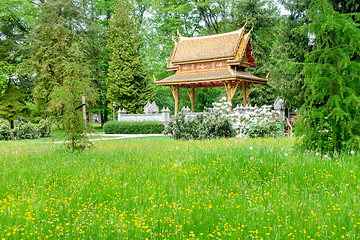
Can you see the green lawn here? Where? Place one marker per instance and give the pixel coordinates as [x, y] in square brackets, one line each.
[159, 188]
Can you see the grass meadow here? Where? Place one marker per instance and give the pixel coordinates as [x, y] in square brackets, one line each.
[160, 188]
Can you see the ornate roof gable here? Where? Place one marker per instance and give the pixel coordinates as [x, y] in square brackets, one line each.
[235, 47]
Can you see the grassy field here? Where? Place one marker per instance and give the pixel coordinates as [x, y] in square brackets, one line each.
[159, 188]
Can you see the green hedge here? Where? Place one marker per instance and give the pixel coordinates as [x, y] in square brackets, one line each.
[144, 127]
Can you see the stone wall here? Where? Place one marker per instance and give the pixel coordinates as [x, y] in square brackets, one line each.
[151, 112]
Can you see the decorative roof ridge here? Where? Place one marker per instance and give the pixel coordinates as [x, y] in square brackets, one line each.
[239, 31]
[211, 47]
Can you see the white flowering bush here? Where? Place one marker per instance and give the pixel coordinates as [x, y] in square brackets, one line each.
[262, 122]
[222, 107]
[215, 124]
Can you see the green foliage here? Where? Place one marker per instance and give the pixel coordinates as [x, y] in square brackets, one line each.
[287, 61]
[45, 127]
[203, 126]
[11, 103]
[128, 85]
[5, 130]
[271, 129]
[26, 131]
[331, 114]
[60, 59]
[261, 122]
[67, 97]
[125, 127]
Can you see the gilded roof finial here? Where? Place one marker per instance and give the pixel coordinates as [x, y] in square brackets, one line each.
[178, 33]
[154, 79]
[252, 27]
[267, 77]
[172, 37]
[245, 23]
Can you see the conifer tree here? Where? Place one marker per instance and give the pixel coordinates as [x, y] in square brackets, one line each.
[128, 85]
[60, 62]
[331, 114]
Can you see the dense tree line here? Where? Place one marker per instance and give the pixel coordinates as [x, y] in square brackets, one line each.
[109, 50]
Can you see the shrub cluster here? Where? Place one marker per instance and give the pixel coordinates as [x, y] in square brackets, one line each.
[204, 126]
[125, 127]
[45, 128]
[214, 124]
[262, 122]
[5, 130]
[221, 123]
[24, 130]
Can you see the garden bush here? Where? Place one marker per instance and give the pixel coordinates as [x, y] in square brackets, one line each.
[45, 128]
[216, 124]
[125, 127]
[5, 130]
[26, 131]
[262, 122]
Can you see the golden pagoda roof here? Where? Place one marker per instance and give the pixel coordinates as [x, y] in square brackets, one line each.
[234, 47]
[207, 48]
[210, 61]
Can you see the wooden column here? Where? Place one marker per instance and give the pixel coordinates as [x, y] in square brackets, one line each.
[230, 91]
[175, 89]
[192, 96]
[246, 91]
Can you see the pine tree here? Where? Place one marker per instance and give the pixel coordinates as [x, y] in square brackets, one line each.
[128, 86]
[330, 117]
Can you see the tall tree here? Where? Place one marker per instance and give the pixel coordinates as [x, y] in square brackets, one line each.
[15, 23]
[128, 85]
[61, 61]
[331, 113]
[287, 61]
[66, 98]
[48, 48]
[266, 19]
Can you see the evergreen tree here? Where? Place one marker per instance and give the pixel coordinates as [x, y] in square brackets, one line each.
[66, 97]
[331, 114]
[287, 61]
[60, 60]
[128, 85]
[14, 88]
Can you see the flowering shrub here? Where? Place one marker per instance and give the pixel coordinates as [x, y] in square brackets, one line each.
[220, 122]
[289, 126]
[262, 122]
[215, 124]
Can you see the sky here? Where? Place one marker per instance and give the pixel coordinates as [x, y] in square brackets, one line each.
[282, 9]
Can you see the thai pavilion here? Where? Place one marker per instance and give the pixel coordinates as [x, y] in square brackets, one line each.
[212, 61]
